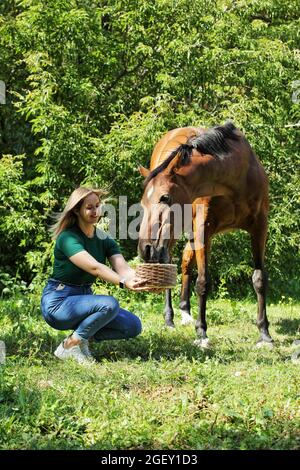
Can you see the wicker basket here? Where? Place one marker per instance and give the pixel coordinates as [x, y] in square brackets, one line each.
[159, 276]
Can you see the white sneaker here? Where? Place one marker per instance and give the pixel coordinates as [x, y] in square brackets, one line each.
[71, 353]
[84, 346]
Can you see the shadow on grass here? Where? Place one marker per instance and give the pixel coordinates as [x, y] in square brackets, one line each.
[153, 346]
[289, 327]
[31, 344]
[36, 340]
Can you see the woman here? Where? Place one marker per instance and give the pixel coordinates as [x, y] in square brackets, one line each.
[79, 256]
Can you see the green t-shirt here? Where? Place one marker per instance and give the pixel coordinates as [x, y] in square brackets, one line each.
[72, 241]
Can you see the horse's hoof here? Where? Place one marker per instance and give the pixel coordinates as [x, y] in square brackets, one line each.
[203, 343]
[170, 325]
[296, 357]
[186, 319]
[264, 344]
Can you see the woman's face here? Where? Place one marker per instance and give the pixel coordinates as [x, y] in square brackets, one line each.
[90, 210]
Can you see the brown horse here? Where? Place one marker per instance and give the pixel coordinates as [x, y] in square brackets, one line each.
[217, 170]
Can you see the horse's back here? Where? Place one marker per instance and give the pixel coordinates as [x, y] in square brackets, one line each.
[224, 213]
[170, 141]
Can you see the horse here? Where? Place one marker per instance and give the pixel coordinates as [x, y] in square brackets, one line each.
[216, 169]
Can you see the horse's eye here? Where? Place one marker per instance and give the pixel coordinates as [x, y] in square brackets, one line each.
[165, 198]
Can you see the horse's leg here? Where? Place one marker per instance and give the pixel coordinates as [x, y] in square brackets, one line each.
[202, 286]
[169, 312]
[258, 235]
[188, 261]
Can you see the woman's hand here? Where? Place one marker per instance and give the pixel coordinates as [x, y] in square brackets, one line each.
[138, 284]
[135, 283]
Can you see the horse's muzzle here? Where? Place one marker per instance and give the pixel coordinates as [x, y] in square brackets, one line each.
[152, 254]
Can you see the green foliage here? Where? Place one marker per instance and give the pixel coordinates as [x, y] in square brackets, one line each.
[91, 87]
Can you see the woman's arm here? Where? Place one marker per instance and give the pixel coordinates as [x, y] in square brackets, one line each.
[122, 267]
[89, 264]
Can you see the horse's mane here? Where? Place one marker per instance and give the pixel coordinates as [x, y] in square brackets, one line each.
[213, 141]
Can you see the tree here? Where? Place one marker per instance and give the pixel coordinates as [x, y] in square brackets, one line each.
[92, 85]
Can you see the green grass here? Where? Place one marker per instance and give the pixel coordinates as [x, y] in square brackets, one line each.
[157, 391]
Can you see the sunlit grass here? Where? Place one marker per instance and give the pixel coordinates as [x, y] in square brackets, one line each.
[158, 391]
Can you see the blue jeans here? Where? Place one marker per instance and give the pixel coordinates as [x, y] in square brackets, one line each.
[66, 307]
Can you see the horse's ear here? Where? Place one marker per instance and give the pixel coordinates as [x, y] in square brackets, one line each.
[143, 171]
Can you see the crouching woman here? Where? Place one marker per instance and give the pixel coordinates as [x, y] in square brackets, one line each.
[80, 253]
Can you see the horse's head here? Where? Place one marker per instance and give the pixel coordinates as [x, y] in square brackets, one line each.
[163, 201]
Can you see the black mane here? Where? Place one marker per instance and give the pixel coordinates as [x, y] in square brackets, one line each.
[185, 151]
[213, 142]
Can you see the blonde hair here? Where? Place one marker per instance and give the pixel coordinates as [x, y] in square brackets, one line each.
[67, 217]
